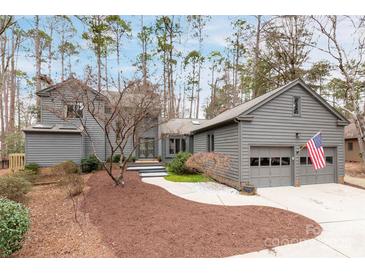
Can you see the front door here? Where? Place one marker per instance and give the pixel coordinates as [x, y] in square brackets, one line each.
[146, 148]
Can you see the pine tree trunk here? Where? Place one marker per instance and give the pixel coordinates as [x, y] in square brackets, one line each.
[50, 54]
[192, 94]
[256, 91]
[98, 56]
[106, 70]
[18, 103]
[12, 86]
[38, 65]
[62, 52]
[118, 63]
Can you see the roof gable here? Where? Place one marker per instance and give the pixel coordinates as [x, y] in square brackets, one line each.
[246, 108]
[292, 84]
[71, 81]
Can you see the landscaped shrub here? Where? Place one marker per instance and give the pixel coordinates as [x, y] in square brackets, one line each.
[26, 174]
[32, 166]
[177, 165]
[116, 158]
[90, 163]
[14, 187]
[14, 223]
[73, 183]
[66, 167]
[210, 163]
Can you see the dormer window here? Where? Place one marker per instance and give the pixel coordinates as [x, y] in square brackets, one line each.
[297, 108]
[74, 110]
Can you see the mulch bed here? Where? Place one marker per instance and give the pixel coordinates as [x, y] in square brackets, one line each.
[54, 231]
[142, 220]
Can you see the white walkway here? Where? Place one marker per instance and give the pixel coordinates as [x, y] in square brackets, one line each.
[339, 209]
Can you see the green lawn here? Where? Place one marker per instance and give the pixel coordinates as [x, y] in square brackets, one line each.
[190, 178]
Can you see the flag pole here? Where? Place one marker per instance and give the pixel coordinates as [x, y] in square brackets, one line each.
[301, 148]
[305, 145]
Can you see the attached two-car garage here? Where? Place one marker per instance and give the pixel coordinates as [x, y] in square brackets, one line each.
[274, 166]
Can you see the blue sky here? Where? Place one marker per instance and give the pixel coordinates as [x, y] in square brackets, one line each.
[216, 32]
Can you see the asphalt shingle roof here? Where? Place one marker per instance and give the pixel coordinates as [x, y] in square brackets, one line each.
[180, 126]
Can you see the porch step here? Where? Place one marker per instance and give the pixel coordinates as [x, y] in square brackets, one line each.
[145, 167]
[152, 174]
[147, 161]
[133, 164]
[148, 170]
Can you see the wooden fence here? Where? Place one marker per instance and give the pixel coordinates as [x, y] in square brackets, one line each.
[16, 161]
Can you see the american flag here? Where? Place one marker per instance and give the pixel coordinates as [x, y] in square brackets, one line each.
[316, 153]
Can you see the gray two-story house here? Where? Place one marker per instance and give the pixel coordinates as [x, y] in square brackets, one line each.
[262, 138]
[61, 136]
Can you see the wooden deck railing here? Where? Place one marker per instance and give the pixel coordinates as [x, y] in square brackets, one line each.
[16, 161]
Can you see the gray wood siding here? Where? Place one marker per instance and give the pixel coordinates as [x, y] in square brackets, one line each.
[200, 142]
[51, 110]
[226, 142]
[47, 149]
[274, 124]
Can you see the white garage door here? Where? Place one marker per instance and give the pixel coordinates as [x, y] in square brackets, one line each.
[271, 166]
[308, 175]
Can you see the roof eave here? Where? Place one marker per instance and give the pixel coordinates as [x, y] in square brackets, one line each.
[222, 123]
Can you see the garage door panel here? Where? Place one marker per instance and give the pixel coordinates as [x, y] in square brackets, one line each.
[274, 167]
[308, 175]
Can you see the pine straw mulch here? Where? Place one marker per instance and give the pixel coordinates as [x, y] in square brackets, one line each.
[142, 220]
[355, 169]
[54, 231]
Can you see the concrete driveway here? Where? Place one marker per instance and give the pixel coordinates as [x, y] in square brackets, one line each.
[339, 209]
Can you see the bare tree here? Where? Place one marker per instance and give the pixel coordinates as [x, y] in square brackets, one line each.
[123, 117]
[348, 63]
[5, 22]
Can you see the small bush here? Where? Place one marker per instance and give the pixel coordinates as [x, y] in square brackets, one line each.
[66, 167]
[116, 158]
[14, 187]
[14, 223]
[32, 166]
[73, 183]
[90, 163]
[178, 164]
[26, 174]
